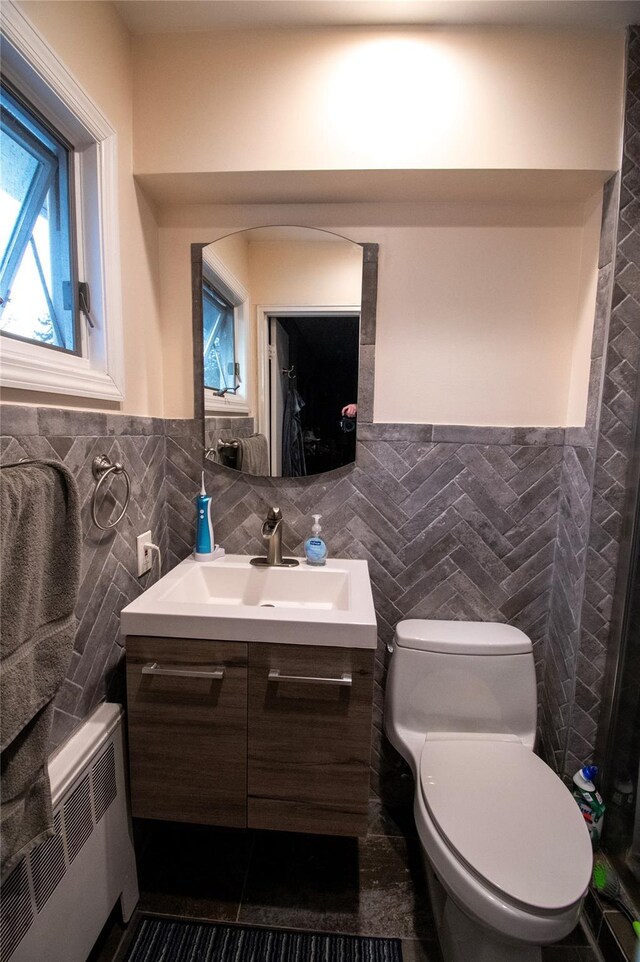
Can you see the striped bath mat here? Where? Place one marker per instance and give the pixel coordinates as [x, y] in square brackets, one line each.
[170, 940]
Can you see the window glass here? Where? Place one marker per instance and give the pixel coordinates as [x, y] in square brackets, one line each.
[219, 341]
[37, 272]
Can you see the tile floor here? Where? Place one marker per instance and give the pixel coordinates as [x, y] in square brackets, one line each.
[371, 886]
[611, 930]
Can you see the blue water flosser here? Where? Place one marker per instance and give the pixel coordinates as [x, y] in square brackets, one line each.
[204, 529]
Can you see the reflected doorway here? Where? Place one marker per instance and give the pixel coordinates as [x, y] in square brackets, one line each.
[313, 376]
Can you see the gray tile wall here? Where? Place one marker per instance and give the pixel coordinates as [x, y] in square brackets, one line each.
[218, 429]
[563, 631]
[226, 428]
[614, 436]
[109, 578]
[183, 469]
[594, 475]
[574, 524]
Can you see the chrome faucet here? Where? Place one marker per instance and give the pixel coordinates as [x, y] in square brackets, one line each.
[272, 536]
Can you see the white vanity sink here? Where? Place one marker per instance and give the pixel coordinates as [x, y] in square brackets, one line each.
[231, 600]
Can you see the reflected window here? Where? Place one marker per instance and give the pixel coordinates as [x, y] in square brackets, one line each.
[37, 301]
[220, 365]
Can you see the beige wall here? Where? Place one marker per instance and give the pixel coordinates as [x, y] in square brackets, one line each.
[233, 250]
[358, 98]
[481, 325]
[485, 315]
[313, 273]
[298, 273]
[485, 312]
[481, 311]
[91, 41]
[587, 290]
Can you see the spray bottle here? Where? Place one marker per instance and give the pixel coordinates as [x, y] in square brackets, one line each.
[589, 801]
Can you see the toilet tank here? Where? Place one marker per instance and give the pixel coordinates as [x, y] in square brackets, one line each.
[462, 677]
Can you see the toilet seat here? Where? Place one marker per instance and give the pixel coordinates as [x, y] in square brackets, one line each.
[507, 818]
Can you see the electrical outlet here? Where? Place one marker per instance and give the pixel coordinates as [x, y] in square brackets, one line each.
[145, 555]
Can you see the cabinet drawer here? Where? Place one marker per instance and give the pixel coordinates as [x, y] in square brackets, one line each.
[187, 722]
[309, 738]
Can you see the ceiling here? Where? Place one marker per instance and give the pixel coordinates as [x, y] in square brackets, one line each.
[170, 16]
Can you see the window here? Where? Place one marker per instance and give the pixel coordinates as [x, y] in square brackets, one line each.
[37, 257]
[225, 311]
[220, 365]
[58, 226]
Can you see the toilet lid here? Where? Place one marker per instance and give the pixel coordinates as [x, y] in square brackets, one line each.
[509, 818]
[462, 637]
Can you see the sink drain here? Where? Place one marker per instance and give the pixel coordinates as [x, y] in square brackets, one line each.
[267, 605]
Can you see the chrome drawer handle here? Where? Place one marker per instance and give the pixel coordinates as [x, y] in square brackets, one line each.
[344, 679]
[152, 669]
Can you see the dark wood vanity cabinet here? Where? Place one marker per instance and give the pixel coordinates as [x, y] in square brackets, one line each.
[187, 724]
[250, 735]
[309, 738]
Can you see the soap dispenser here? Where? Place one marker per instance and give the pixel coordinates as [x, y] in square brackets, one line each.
[315, 549]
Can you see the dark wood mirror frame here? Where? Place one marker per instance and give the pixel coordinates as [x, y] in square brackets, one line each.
[366, 371]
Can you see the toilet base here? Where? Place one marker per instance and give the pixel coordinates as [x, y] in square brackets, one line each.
[463, 940]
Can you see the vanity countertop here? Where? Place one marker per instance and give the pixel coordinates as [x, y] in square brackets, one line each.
[231, 600]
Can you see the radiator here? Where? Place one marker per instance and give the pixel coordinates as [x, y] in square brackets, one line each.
[57, 899]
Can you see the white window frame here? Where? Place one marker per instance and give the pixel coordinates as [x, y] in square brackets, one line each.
[227, 284]
[35, 70]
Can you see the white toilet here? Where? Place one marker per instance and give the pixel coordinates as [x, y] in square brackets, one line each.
[508, 855]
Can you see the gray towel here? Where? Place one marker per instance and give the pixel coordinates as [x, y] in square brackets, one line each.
[253, 455]
[40, 548]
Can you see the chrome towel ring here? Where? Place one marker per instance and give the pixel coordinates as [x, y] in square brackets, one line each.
[102, 467]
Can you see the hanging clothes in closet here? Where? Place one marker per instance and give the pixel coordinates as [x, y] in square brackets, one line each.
[293, 462]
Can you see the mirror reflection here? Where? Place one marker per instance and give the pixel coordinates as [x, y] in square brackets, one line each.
[280, 343]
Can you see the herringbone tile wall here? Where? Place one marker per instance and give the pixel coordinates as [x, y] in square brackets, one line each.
[225, 428]
[183, 469]
[614, 441]
[108, 578]
[560, 655]
[574, 514]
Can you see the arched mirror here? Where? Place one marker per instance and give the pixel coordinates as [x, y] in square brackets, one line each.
[277, 335]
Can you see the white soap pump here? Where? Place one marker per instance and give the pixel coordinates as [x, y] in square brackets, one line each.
[315, 549]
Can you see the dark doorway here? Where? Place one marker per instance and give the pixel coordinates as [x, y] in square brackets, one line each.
[323, 368]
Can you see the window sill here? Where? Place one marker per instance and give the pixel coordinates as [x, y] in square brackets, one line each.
[37, 369]
[224, 405]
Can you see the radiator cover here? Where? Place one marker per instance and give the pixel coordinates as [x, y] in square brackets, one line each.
[57, 899]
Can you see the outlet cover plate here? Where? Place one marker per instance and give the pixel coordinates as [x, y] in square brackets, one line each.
[145, 558]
